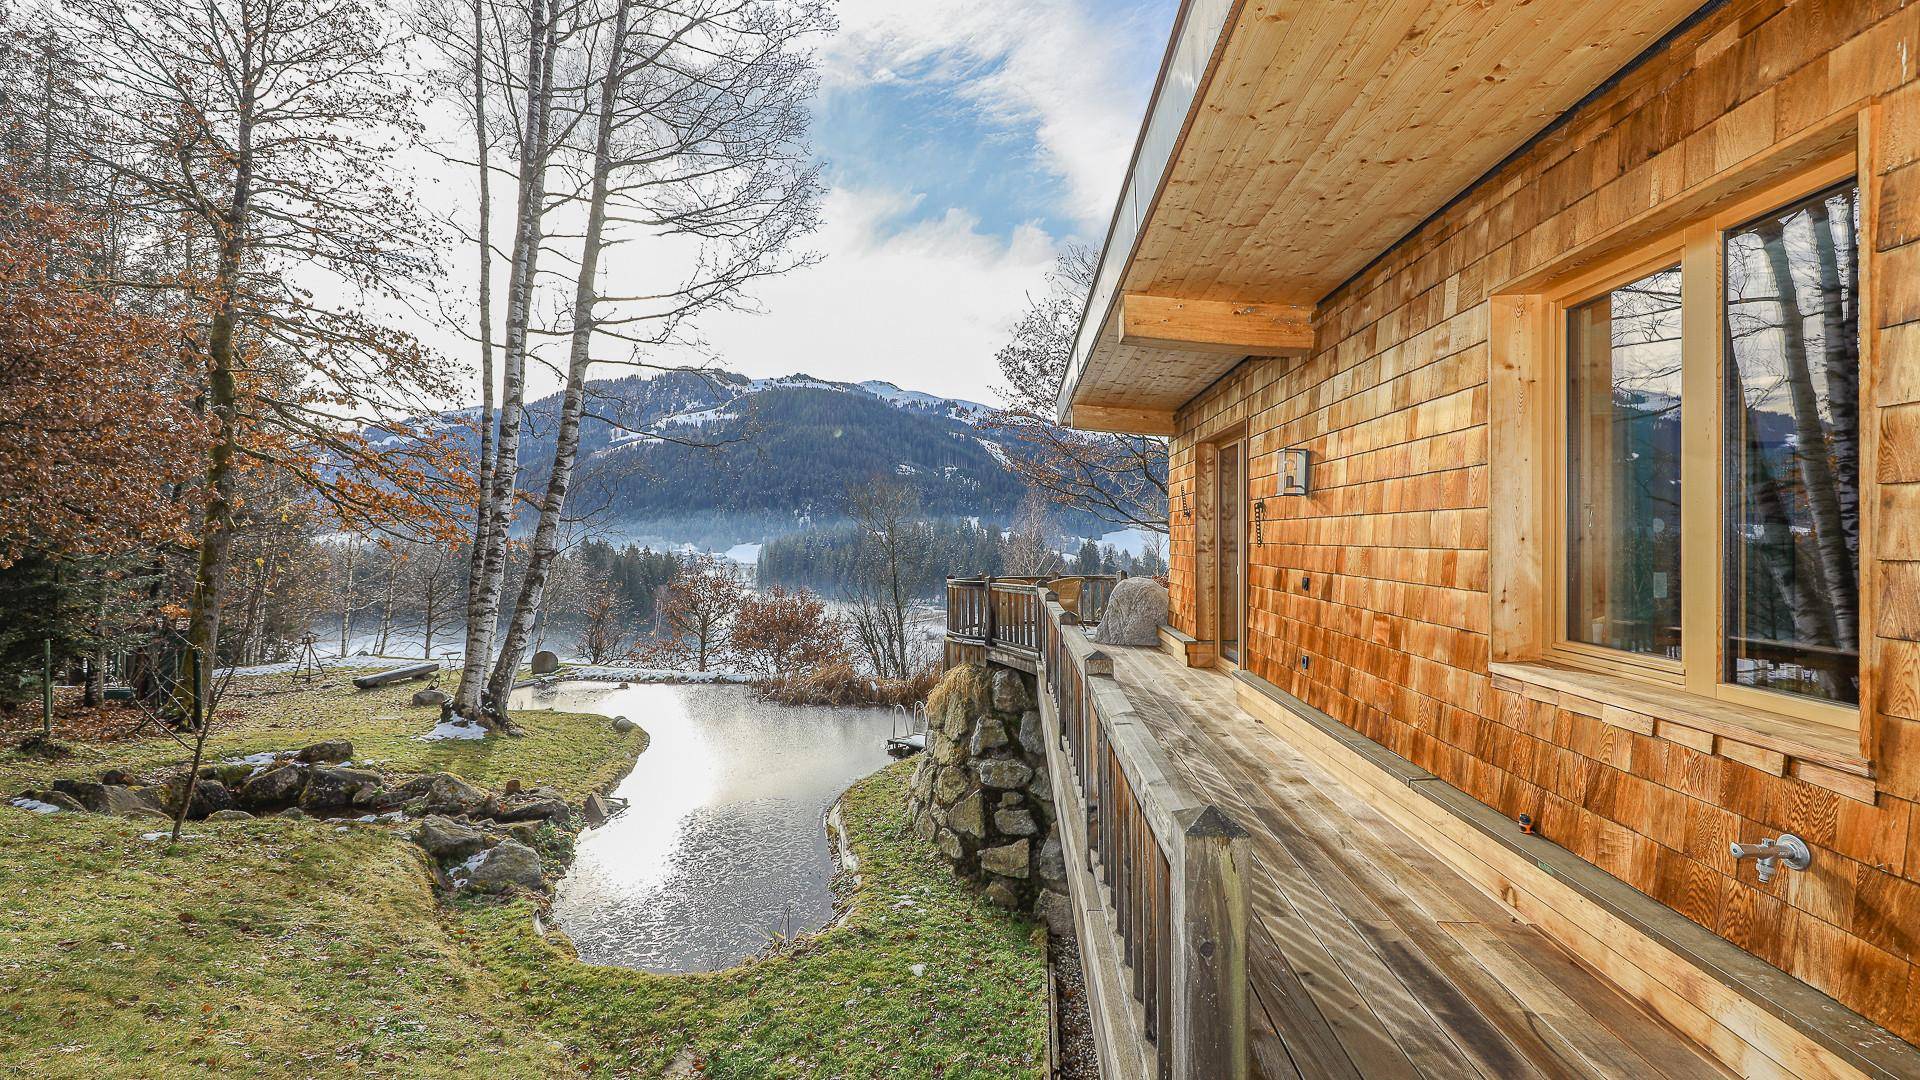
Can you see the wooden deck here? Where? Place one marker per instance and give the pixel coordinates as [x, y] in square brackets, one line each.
[1369, 955]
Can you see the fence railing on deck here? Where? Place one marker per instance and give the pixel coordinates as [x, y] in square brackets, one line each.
[1172, 869]
[1168, 869]
[1001, 615]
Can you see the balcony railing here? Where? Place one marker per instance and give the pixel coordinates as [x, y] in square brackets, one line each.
[1159, 878]
[998, 618]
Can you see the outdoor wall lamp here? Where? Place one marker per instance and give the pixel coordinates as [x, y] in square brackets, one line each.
[1786, 849]
[1294, 465]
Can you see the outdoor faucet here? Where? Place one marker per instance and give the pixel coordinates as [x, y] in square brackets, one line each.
[1786, 848]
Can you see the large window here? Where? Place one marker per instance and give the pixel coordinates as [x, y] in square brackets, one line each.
[1709, 450]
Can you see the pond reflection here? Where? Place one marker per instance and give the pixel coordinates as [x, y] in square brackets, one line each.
[723, 844]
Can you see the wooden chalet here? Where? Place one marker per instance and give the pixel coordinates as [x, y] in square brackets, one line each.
[1542, 689]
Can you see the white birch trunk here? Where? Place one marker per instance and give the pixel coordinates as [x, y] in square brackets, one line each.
[528, 235]
[546, 535]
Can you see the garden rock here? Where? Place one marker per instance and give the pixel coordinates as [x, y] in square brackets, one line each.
[594, 810]
[1003, 895]
[1055, 910]
[991, 734]
[948, 785]
[1050, 866]
[624, 725]
[274, 788]
[545, 662]
[969, 817]
[1135, 610]
[432, 697]
[445, 839]
[1005, 773]
[508, 863]
[1033, 735]
[330, 751]
[1007, 860]
[338, 789]
[114, 799]
[229, 815]
[1009, 692]
[537, 810]
[1015, 822]
[209, 796]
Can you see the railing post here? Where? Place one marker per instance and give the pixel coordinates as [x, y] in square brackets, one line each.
[1210, 950]
[987, 581]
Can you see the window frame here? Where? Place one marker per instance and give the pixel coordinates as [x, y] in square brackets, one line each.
[1699, 248]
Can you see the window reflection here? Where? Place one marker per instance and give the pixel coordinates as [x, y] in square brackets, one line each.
[1793, 450]
[1623, 468]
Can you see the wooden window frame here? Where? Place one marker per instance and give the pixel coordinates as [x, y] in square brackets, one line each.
[1530, 351]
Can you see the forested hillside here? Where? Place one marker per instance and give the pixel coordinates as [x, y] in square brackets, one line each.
[717, 459]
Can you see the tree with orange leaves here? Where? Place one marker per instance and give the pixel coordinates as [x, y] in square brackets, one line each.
[253, 147]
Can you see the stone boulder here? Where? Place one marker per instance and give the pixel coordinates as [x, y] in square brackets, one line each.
[229, 815]
[552, 810]
[1009, 691]
[1003, 773]
[330, 751]
[333, 789]
[209, 796]
[623, 725]
[1007, 860]
[273, 789]
[116, 799]
[969, 817]
[444, 793]
[508, 863]
[1135, 611]
[431, 696]
[545, 662]
[445, 839]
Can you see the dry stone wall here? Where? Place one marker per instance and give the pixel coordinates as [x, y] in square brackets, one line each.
[981, 795]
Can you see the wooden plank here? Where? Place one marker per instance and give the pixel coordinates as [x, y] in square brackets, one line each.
[1229, 328]
[1123, 419]
[1213, 981]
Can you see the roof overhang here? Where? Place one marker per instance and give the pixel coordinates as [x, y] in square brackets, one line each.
[1288, 144]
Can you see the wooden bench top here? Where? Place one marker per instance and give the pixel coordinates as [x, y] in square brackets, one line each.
[1369, 955]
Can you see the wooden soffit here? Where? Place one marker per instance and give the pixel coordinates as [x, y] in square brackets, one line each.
[1291, 142]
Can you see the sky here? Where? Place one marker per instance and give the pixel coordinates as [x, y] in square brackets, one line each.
[963, 143]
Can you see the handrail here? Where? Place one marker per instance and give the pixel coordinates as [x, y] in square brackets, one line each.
[1172, 868]
[1003, 613]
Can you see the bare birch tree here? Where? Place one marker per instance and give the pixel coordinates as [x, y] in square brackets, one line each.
[698, 110]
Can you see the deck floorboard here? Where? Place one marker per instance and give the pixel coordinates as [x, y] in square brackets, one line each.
[1370, 956]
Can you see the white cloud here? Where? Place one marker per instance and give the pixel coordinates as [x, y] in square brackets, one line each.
[1053, 65]
[925, 306]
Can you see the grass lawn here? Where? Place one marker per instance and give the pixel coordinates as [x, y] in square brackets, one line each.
[573, 753]
[297, 949]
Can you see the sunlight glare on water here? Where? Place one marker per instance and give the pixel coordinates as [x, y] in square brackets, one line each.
[723, 845]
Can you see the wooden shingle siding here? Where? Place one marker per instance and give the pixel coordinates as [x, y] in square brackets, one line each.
[1380, 578]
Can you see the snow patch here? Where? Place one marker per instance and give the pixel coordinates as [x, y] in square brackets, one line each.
[36, 806]
[454, 729]
[745, 554]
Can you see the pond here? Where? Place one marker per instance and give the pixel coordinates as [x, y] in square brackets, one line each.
[723, 844]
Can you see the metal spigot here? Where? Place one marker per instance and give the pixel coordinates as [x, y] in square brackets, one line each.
[1786, 849]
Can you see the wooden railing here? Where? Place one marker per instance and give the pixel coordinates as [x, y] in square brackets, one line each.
[999, 617]
[1170, 870]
